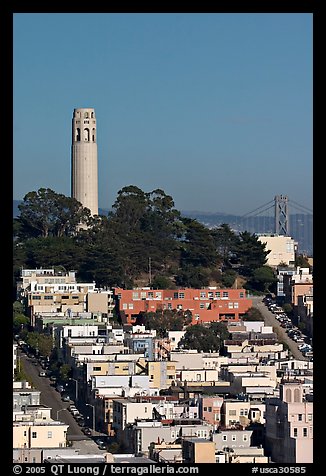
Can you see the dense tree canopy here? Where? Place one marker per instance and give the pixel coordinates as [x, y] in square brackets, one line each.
[144, 239]
[47, 213]
[166, 320]
[201, 338]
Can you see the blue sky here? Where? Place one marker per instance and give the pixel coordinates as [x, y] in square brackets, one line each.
[215, 109]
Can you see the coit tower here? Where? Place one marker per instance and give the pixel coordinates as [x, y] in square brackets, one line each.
[84, 175]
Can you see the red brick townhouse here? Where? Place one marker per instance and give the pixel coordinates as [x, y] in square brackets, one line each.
[206, 305]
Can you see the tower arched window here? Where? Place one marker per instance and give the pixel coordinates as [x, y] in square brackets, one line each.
[288, 395]
[296, 395]
[86, 115]
[77, 134]
[86, 134]
[93, 134]
[92, 115]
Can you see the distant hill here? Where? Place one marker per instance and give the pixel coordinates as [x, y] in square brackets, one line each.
[301, 225]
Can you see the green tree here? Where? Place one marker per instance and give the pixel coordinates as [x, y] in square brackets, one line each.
[228, 277]
[220, 329]
[263, 279]
[162, 282]
[198, 245]
[302, 261]
[226, 243]
[166, 320]
[41, 343]
[201, 338]
[65, 372]
[251, 253]
[193, 276]
[45, 212]
[253, 314]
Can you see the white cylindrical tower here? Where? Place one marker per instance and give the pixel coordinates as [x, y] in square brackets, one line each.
[84, 170]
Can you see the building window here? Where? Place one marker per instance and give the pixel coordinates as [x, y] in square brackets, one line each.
[242, 295]
[124, 305]
[131, 306]
[234, 438]
[97, 369]
[48, 298]
[202, 305]
[158, 295]
[224, 437]
[225, 294]
[36, 298]
[49, 434]
[296, 395]
[145, 409]
[236, 305]
[210, 295]
[202, 294]
[175, 295]
[205, 409]
[305, 432]
[25, 433]
[245, 437]
[309, 416]
[232, 412]
[217, 294]
[300, 417]
[150, 295]
[181, 295]
[295, 432]
[34, 434]
[209, 409]
[135, 295]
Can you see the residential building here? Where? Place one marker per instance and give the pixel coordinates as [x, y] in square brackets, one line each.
[101, 301]
[206, 305]
[281, 249]
[235, 412]
[198, 450]
[210, 409]
[289, 425]
[39, 433]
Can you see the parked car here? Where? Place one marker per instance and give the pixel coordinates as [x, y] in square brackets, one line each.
[59, 388]
[65, 398]
[86, 431]
[42, 374]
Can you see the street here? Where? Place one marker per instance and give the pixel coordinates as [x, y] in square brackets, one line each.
[50, 397]
[270, 320]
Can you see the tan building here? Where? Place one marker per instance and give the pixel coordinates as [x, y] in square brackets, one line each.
[39, 433]
[289, 425]
[100, 301]
[281, 249]
[235, 412]
[198, 450]
[161, 373]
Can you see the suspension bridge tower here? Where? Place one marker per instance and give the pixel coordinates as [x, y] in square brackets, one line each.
[282, 223]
